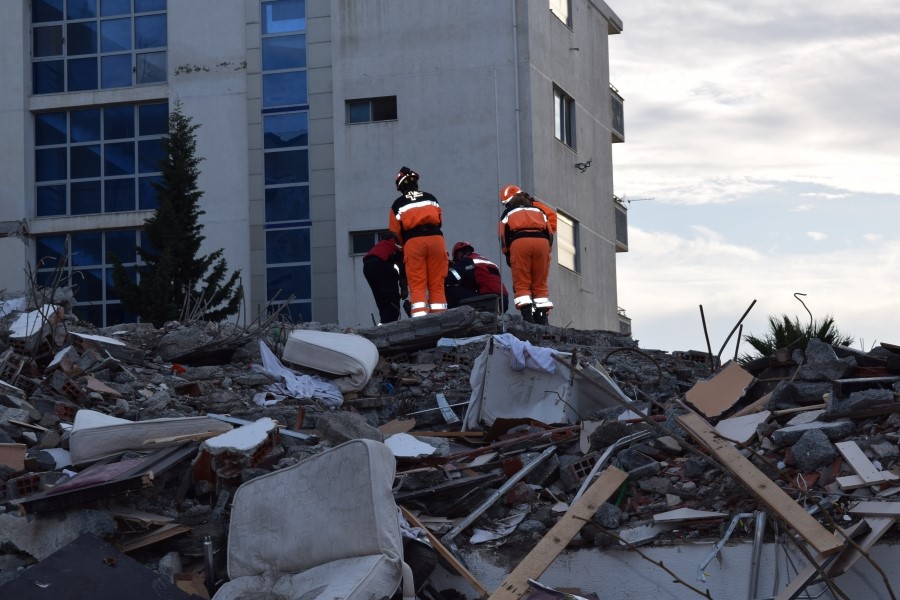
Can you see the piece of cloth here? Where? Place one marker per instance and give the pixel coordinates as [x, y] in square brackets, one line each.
[523, 355]
[295, 385]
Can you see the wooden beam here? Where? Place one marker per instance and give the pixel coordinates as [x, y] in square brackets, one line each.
[446, 554]
[877, 509]
[555, 541]
[765, 490]
[859, 462]
[878, 526]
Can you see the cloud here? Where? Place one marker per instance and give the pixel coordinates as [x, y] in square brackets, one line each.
[816, 235]
[873, 237]
[802, 208]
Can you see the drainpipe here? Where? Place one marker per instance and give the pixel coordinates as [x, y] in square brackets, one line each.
[757, 551]
[516, 86]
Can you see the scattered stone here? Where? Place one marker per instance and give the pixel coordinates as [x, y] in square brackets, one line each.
[812, 450]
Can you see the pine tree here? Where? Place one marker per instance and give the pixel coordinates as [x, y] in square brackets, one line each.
[174, 281]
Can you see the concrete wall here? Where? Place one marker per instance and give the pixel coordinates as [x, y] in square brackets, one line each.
[452, 67]
[625, 575]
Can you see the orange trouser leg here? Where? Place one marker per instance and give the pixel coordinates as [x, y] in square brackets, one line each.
[437, 266]
[520, 252]
[540, 272]
[415, 253]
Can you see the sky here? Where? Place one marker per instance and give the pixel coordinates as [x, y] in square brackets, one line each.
[761, 159]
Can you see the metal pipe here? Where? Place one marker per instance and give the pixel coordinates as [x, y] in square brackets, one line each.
[738, 324]
[419, 412]
[701, 576]
[605, 456]
[519, 475]
[210, 565]
[757, 552]
[712, 364]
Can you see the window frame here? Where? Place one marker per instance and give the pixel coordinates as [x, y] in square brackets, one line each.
[566, 6]
[564, 117]
[374, 236]
[375, 104]
[568, 255]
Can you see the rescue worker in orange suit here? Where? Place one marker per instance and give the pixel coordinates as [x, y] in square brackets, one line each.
[526, 232]
[473, 275]
[383, 269]
[416, 220]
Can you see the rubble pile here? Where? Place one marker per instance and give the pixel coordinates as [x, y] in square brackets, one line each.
[501, 430]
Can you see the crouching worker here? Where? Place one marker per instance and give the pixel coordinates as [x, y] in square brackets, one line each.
[471, 274]
[383, 269]
[526, 235]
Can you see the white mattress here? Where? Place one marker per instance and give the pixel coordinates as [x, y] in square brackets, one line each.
[351, 357]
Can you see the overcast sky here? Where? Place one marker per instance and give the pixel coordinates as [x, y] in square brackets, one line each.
[762, 158]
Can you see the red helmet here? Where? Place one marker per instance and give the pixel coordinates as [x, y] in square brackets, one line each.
[508, 192]
[405, 178]
[461, 245]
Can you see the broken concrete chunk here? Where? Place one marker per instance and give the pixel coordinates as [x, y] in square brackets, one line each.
[860, 400]
[834, 430]
[341, 426]
[42, 536]
[827, 371]
[812, 450]
[403, 445]
[242, 440]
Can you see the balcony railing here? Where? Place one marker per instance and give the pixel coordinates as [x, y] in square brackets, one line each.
[621, 225]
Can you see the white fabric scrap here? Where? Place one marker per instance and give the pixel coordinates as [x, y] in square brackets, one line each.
[404, 445]
[503, 527]
[523, 355]
[296, 385]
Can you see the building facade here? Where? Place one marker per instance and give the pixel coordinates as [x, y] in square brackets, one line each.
[307, 109]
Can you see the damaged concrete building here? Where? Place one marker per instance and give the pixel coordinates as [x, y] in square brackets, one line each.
[307, 109]
[460, 455]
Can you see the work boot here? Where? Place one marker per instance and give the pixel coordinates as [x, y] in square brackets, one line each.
[540, 316]
[527, 314]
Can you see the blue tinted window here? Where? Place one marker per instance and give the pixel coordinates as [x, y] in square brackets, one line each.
[150, 156]
[150, 67]
[284, 89]
[110, 8]
[284, 52]
[86, 249]
[149, 5]
[118, 122]
[82, 74]
[287, 203]
[49, 129]
[48, 77]
[119, 196]
[81, 9]
[153, 119]
[89, 313]
[85, 125]
[49, 249]
[119, 160]
[116, 313]
[51, 200]
[115, 35]
[287, 245]
[88, 286]
[47, 41]
[150, 31]
[81, 38]
[85, 161]
[121, 244]
[284, 17]
[286, 167]
[50, 164]
[46, 10]
[282, 282]
[85, 198]
[283, 131]
[147, 193]
[115, 71]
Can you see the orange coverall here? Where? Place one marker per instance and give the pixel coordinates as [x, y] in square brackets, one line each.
[526, 231]
[416, 219]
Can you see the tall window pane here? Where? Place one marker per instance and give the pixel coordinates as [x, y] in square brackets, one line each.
[48, 41]
[285, 16]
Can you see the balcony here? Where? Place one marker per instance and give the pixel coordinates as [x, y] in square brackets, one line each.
[617, 105]
[621, 225]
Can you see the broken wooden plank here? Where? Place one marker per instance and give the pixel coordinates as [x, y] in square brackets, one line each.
[852, 482]
[878, 526]
[877, 509]
[756, 406]
[765, 490]
[157, 535]
[548, 548]
[446, 554]
[805, 578]
[859, 462]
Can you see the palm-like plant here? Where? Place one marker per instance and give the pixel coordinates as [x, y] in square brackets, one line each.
[784, 332]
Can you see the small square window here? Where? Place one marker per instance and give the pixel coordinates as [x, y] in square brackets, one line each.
[362, 241]
[564, 117]
[368, 110]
